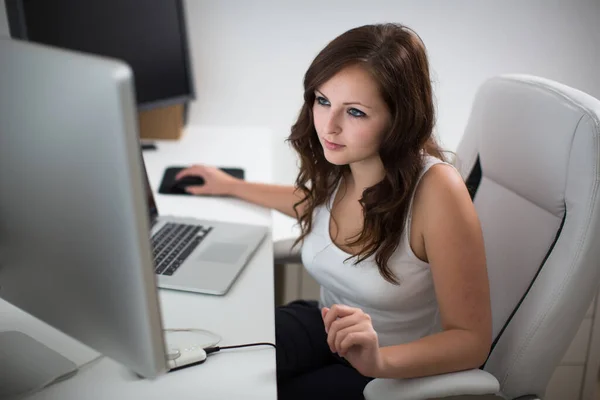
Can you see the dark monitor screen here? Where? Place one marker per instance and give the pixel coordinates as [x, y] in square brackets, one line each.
[149, 35]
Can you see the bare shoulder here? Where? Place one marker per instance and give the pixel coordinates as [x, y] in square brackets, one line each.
[448, 221]
[441, 203]
[442, 189]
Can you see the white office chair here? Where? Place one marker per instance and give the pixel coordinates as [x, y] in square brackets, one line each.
[531, 158]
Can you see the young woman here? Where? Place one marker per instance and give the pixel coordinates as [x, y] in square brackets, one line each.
[388, 227]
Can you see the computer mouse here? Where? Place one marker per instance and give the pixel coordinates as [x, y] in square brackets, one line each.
[180, 184]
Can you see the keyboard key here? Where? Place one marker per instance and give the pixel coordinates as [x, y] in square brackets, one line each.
[161, 268]
[172, 268]
[173, 243]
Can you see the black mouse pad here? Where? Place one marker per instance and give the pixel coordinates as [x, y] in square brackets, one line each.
[168, 180]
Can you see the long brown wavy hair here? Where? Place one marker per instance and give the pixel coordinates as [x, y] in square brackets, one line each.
[396, 58]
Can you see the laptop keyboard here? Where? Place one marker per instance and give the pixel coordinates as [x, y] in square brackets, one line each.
[173, 243]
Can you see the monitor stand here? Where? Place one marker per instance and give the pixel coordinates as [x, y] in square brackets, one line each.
[27, 365]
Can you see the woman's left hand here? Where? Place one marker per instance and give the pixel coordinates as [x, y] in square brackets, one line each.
[351, 335]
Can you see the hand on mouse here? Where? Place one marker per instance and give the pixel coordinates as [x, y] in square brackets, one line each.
[351, 335]
[216, 182]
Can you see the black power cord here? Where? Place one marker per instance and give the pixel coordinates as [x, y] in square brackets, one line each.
[214, 349]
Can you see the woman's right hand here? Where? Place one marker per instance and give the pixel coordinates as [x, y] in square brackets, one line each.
[216, 182]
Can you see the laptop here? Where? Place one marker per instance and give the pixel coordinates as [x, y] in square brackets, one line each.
[198, 255]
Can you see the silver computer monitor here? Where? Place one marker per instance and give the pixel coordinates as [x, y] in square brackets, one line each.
[74, 228]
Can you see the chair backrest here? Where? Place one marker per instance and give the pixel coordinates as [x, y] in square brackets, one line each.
[530, 156]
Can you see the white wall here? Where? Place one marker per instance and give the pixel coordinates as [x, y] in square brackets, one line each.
[250, 56]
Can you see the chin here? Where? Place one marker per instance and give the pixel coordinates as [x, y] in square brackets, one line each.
[337, 159]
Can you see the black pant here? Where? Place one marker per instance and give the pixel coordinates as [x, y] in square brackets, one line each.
[306, 367]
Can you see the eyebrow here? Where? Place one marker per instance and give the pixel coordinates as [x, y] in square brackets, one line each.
[346, 104]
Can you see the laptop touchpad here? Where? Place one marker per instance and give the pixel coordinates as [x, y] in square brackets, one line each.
[224, 253]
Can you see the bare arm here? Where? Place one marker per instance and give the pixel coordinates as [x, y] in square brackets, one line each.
[216, 182]
[279, 197]
[455, 249]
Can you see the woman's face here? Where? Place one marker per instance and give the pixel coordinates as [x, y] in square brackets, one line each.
[350, 116]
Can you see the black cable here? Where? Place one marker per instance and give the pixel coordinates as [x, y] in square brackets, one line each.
[214, 349]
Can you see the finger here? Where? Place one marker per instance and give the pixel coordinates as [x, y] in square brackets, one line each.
[192, 171]
[360, 338]
[324, 311]
[183, 173]
[196, 190]
[340, 324]
[342, 333]
[338, 311]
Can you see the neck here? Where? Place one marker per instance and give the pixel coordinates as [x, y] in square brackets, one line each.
[364, 174]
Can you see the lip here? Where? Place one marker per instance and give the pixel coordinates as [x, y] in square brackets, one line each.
[331, 145]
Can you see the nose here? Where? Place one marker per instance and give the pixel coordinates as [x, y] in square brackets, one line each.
[332, 124]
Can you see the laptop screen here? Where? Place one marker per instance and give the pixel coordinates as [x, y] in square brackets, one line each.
[152, 209]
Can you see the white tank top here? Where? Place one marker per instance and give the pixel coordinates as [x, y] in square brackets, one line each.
[399, 313]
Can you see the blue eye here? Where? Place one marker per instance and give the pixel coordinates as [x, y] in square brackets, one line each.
[356, 113]
[323, 101]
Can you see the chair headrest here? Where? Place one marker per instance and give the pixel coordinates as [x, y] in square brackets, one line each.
[525, 127]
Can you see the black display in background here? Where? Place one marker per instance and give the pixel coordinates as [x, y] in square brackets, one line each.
[149, 35]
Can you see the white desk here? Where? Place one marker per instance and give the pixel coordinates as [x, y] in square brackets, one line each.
[244, 315]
